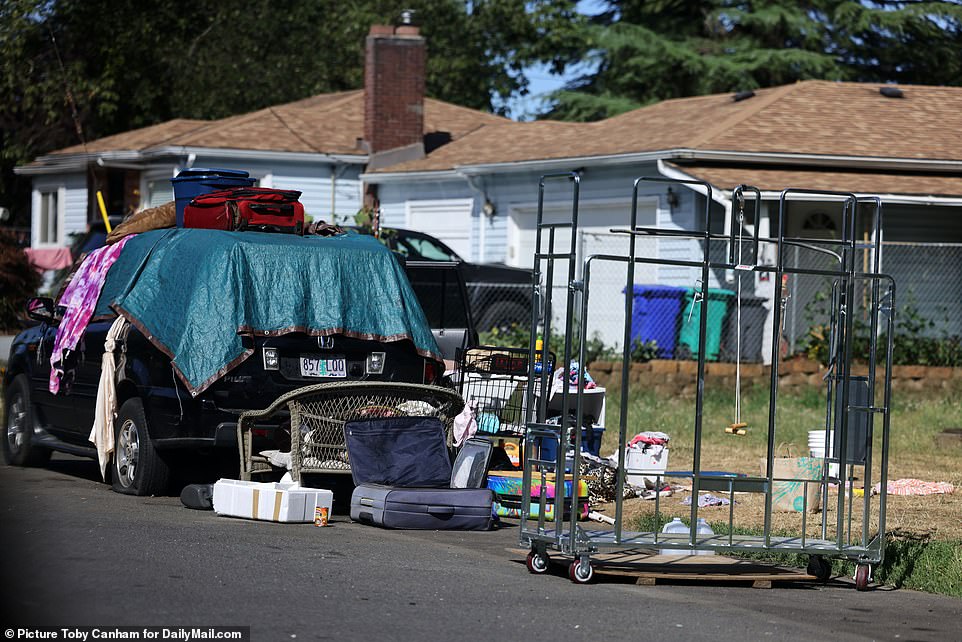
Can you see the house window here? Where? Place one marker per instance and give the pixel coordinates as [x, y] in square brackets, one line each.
[49, 228]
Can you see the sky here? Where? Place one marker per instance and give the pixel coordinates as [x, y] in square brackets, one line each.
[543, 82]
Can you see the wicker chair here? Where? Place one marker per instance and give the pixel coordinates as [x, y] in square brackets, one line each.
[318, 414]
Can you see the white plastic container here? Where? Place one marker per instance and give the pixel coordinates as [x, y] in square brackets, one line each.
[641, 467]
[816, 448]
[269, 502]
[675, 526]
[703, 529]
[678, 526]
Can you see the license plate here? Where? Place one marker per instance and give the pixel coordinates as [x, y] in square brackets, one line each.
[311, 367]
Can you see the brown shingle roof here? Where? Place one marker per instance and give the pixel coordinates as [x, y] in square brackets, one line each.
[843, 180]
[810, 117]
[138, 138]
[328, 123]
[504, 143]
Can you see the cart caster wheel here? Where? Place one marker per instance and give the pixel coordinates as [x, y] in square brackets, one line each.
[819, 567]
[537, 563]
[863, 573]
[581, 572]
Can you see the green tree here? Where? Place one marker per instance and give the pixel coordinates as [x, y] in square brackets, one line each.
[133, 63]
[651, 50]
[18, 280]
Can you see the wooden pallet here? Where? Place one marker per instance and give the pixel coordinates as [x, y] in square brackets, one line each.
[650, 569]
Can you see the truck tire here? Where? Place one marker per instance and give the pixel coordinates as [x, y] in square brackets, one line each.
[137, 467]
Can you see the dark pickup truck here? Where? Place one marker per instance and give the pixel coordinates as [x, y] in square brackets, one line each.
[158, 420]
[499, 295]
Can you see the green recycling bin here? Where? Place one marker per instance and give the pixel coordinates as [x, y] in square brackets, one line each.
[718, 302]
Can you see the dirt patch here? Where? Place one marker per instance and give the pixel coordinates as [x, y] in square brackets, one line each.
[935, 516]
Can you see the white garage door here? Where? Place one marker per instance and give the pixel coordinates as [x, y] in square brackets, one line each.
[607, 278]
[448, 220]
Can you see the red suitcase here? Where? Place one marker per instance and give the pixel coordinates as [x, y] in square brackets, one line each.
[247, 208]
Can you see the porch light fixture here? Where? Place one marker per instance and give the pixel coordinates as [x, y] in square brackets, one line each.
[672, 198]
[488, 209]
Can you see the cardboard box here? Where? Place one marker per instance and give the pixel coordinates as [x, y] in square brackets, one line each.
[795, 495]
[269, 501]
[645, 466]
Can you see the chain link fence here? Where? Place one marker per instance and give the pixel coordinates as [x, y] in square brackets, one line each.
[666, 313]
[928, 320]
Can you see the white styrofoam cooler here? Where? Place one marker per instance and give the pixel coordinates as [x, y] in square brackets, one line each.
[645, 466]
[272, 502]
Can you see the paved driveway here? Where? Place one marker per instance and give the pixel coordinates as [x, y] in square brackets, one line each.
[76, 553]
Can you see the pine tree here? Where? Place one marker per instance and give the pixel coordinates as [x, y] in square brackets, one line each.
[648, 51]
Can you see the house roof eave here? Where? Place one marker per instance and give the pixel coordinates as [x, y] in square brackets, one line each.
[253, 154]
[57, 163]
[723, 194]
[682, 153]
[398, 177]
[131, 159]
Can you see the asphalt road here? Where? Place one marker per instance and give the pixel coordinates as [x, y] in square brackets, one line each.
[77, 554]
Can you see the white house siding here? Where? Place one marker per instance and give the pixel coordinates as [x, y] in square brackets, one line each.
[313, 180]
[396, 197]
[72, 201]
[681, 217]
[605, 202]
[314, 183]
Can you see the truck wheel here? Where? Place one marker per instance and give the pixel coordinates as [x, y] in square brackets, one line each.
[503, 313]
[137, 468]
[18, 446]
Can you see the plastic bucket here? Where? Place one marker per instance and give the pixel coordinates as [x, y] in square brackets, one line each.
[816, 448]
[193, 182]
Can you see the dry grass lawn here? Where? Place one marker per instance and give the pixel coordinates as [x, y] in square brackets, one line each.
[915, 452]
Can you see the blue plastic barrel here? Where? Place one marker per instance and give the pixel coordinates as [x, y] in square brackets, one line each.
[654, 316]
[195, 181]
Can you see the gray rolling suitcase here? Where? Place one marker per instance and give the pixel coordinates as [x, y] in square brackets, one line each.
[464, 509]
[398, 464]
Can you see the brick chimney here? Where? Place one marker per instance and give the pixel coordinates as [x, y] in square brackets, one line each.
[394, 69]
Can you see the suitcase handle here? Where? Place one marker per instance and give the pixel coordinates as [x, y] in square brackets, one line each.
[441, 510]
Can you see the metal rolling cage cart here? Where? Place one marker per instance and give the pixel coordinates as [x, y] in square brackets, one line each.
[494, 380]
[852, 402]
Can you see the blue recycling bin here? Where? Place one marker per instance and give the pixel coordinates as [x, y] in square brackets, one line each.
[195, 181]
[654, 316]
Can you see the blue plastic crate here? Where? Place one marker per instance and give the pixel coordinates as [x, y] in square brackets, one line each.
[195, 181]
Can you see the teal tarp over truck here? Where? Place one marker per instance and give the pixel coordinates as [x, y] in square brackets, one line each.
[193, 293]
